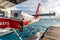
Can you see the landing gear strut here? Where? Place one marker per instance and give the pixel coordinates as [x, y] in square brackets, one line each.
[21, 29]
[21, 25]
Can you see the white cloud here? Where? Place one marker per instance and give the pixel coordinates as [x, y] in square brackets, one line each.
[46, 6]
[52, 5]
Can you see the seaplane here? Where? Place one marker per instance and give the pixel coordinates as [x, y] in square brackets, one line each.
[18, 20]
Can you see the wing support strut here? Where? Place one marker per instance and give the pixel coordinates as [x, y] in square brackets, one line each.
[17, 34]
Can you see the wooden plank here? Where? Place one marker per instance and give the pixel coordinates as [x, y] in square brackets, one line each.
[53, 33]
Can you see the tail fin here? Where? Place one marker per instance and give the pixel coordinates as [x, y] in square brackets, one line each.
[37, 11]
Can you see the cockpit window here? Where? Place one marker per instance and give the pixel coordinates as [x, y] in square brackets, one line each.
[2, 14]
[15, 14]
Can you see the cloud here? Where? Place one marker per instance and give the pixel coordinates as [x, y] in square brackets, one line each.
[46, 6]
[30, 4]
[51, 5]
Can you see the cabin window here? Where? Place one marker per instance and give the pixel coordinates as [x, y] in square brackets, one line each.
[15, 14]
[2, 14]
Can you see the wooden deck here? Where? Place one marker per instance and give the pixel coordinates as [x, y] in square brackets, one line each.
[53, 33]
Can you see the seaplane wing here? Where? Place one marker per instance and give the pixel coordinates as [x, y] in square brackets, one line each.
[9, 3]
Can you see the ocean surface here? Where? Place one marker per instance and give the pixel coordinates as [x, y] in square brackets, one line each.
[32, 29]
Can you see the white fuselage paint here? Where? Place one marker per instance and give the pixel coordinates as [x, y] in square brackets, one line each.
[28, 17]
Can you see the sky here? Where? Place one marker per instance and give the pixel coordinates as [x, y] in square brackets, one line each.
[30, 7]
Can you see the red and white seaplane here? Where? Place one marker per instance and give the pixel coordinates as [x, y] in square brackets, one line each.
[24, 20]
[10, 24]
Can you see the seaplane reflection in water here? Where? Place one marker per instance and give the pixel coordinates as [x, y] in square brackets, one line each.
[18, 20]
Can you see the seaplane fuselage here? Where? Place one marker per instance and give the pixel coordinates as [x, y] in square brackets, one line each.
[18, 24]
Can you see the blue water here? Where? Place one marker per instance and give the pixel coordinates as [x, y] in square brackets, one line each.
[32, 29]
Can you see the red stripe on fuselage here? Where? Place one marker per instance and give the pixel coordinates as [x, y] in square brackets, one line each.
[8, 23]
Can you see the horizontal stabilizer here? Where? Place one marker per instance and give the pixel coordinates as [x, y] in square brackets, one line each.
[50, 14]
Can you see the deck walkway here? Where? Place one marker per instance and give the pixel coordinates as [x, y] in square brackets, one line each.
[53, 33]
